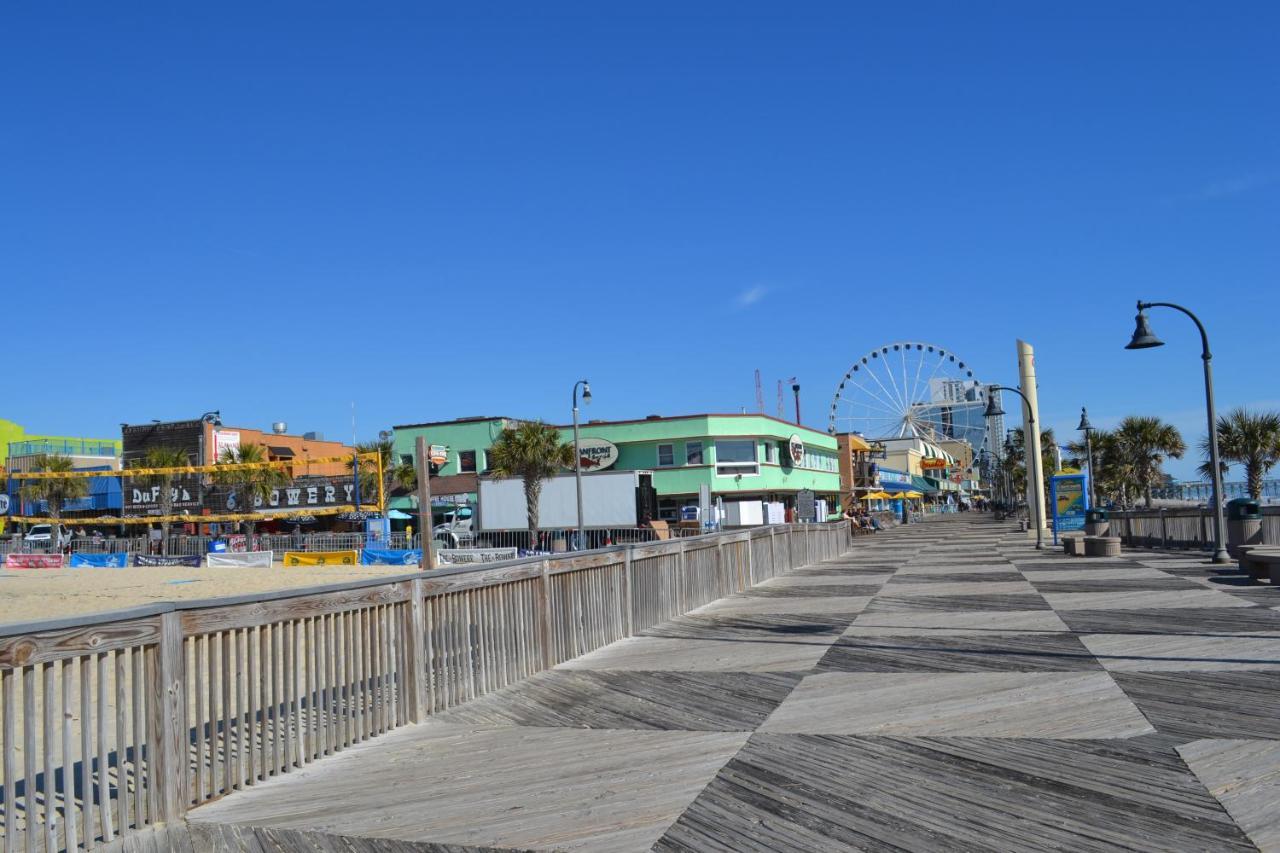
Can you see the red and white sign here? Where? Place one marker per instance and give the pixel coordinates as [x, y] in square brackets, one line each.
[225, 440]
[33, 561]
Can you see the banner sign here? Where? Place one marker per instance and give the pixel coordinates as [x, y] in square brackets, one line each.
[143, 498]
[377, 557]
[934, 463]
[4, 504]
[456, 556]
[226, 441]
[33, 561]
[321, 558]
[1069, 503]
[117, 560]
[244, 559]
[596, 454]
[172, 560]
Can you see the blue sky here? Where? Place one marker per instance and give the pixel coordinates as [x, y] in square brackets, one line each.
[440, 210]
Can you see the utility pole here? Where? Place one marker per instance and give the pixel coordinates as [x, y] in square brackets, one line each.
[428, 560]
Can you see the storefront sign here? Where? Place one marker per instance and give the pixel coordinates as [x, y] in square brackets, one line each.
[934, 463]
[4, 504]
[596, 454]
[145, 500]
[33, 561]
[321, 558]
[795, 450]
[806, 505]
[226, 441]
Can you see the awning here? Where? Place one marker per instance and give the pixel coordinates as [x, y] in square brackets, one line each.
[282, 452]
[920, 484]
[857, 444]
[397, 515]
[931, 451]
[896, 486]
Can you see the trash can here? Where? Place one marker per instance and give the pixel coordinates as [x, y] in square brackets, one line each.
[1097, 522]
[1244, 524]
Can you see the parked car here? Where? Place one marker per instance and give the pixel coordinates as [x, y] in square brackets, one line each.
[39, 534]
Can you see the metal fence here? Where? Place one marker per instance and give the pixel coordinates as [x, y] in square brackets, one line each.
[118, 721]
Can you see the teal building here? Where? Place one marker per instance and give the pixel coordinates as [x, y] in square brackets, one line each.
[739, 457]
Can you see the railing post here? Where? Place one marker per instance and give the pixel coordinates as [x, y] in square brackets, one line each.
[627, 625]
[1164, 530]
[751, 563]
[167, 723]
[773, 551]
[1204, 532]
[544, 615]
[415, 658]
[721, 578]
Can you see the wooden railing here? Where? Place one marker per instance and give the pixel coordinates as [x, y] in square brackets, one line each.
[116, 721]
[1180, 528]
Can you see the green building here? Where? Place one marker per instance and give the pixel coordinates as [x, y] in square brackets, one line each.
[20, 451]
[747, 457]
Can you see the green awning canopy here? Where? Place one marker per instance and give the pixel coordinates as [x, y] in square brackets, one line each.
[923, 485]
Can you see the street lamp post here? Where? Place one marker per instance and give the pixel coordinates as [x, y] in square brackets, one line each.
[1144, 338]
[1087, 428]
[577, 454]
[1033, 475]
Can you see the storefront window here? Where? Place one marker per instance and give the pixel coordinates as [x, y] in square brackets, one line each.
[693, 453]
[771, 452]
[735, 458]
[666, 455]
[467, 461]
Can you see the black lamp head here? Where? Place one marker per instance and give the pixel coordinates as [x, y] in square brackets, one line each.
[1143, 337]
[993, 408]
[1085, 426]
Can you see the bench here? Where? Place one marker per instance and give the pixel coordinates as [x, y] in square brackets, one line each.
[1102, 546]
[1261, 561]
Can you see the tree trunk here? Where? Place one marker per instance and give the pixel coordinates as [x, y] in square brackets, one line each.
[1253, 474]
[1148, 493]
[532, 491]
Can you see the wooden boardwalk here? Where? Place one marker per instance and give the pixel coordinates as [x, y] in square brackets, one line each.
[939, 687]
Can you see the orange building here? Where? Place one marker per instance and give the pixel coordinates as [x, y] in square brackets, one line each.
[281, 447]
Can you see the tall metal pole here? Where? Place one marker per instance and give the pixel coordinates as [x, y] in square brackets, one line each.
[580, 535]
[1220, 522]
[1033, 460]
[428, 560]
[1088, 449]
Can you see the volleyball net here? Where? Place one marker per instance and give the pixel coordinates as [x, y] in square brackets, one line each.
[350, 485]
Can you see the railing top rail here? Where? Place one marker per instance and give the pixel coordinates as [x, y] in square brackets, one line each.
[501, 572]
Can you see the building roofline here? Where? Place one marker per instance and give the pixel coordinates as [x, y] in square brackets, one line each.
[662, 419]
[476, 420]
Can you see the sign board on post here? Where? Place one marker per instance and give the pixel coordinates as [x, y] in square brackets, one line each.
[1070, 500]
[806, 505]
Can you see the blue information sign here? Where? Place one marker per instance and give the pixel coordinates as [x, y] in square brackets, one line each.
[1070, 500]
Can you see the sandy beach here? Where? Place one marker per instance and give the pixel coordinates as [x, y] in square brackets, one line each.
[30, 594]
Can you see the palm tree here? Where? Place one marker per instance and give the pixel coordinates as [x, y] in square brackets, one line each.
[163, 457]
[249, 485]
[534, 452]
[395, 473]
[54, 491]
[1016, 463]
[1111, 474]
[1144, 444]
[1250, 439]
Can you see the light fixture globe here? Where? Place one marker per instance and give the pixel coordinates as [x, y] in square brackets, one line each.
[1143, 337]
[993, 408]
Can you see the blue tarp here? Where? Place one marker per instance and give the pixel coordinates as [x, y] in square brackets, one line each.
[117, 560]
[378, 557]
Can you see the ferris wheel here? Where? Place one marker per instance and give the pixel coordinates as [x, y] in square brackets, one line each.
[909, 389]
